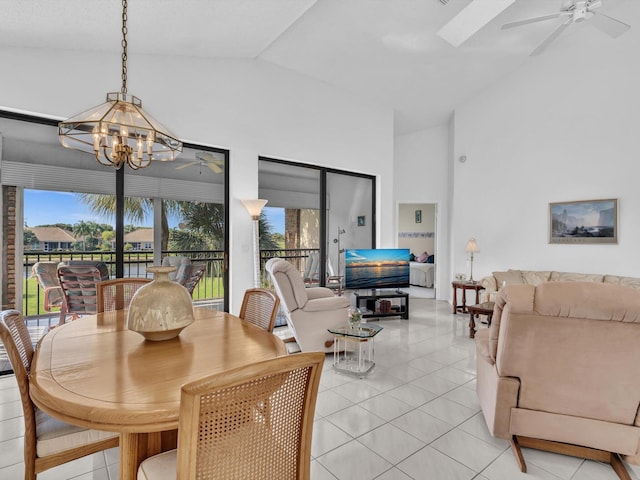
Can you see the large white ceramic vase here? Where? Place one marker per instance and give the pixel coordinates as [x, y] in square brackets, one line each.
[160, 309]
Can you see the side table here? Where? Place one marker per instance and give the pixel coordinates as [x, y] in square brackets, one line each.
[464, 286]
[485, 308]
[358, 361]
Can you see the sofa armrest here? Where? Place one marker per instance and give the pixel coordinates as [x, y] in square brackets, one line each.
[53, 297]
[497, 395]
[489, 284]
[319, 292]
[327, 303]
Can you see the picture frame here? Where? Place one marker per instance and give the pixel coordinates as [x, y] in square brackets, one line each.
[418, 216]
[584, 221]
[361, 220]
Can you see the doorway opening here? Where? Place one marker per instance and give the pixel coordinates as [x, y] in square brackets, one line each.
[417, 232]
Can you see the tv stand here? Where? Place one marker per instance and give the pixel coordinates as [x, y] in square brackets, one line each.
[369, 304]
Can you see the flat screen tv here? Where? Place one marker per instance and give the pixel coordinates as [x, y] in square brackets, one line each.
[377, 268]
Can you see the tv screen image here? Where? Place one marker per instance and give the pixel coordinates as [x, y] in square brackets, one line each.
[377, 268]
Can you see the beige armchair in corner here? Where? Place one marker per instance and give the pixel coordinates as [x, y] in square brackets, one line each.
[559, 370]
[309, 311]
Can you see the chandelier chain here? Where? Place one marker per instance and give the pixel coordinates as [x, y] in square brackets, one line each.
[124, 46]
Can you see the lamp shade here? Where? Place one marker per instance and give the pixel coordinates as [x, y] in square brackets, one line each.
[471, 246]
[254, 206]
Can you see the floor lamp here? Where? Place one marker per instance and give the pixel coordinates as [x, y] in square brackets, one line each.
[471, 249]
[254, 207]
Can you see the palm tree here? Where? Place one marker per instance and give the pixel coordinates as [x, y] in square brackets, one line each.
[82, 229]
[266, 236]
[136, 210]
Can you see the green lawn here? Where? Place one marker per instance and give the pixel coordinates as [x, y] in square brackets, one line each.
[30, 289]
[30, 302]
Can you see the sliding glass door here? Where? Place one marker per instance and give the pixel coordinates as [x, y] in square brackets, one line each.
[170, 208]
[349, 217]
[290, 222]
[316, 213]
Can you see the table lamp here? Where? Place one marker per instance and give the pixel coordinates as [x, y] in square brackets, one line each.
[471, 248]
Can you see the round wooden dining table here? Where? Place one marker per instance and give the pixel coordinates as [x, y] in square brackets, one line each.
[96, 373]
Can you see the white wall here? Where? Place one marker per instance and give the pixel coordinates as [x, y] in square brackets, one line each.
[250, 107]
[421, 175]
[564, 127]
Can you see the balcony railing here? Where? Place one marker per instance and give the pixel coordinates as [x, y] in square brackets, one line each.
[296, 256]
[210, 287]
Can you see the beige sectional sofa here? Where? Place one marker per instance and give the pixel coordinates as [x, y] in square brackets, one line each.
[496, 280]
[560, 363]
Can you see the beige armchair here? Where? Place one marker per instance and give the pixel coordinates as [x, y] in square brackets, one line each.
[309, 311]
[558, 370]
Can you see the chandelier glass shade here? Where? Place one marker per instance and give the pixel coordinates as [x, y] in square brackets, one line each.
[119, 131]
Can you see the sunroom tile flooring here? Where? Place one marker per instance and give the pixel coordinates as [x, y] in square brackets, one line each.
[416, 416]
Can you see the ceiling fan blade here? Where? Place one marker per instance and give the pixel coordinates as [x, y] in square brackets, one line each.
[545, 43]
[612, 27]
[185, 165]
[214, 167]
[205, 156]
[532, 20]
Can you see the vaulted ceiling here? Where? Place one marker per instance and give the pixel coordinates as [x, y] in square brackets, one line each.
[386, 51]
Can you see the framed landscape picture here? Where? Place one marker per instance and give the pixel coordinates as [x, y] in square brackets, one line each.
[584, 221]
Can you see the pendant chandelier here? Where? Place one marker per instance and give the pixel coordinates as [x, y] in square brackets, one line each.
[120, 131]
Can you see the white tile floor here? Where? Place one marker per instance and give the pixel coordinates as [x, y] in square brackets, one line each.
[416, 416]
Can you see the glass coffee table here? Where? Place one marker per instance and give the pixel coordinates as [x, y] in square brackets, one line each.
[353, 348]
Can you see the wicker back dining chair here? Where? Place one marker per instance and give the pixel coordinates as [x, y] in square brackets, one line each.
[47, 442]
[78, 281]
[116, 294]
[223, 431]
[260, 307]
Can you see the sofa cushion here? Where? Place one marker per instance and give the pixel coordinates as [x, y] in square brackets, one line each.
[520, 298]
[535, 277]
[626, 281]
[575, 277]
[510, 277]
[574, 348]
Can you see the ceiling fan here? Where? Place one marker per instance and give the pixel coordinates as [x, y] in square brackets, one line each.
[205, 158]
[576, 11]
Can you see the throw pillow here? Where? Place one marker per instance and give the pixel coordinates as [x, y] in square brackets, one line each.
[430, 259]
[535, 277]
[422, 258]
[512, 277]
[412, 258]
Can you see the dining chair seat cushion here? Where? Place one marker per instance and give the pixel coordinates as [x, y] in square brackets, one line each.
[54, 436]
[159, 467]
